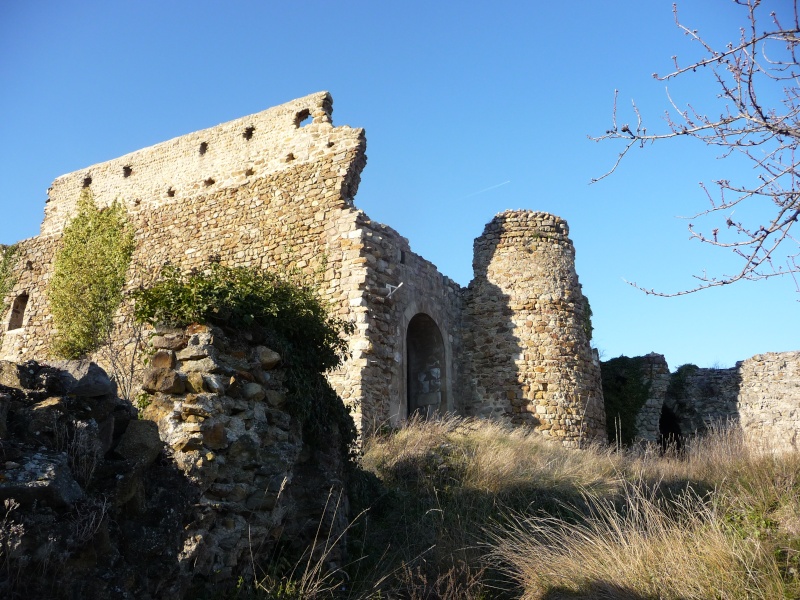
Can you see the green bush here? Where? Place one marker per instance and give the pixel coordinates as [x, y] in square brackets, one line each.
[88, 276]
[291, 317]
[7, 277]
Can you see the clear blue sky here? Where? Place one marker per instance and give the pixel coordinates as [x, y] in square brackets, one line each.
[456, 98]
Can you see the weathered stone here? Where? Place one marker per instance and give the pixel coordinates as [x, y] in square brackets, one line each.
[163, 359]
[167, 381]
[173, 341]
[203, 365]
[194, 383]
[43, 478]
[275, 398]
[17, 375]
[268, 359]
[253, 392]
[140, 443]
[44, 415]
[83, 378]
[214, 435]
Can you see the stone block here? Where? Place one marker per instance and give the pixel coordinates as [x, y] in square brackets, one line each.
[163, 359]
[140, 443]
[83, 378]
[269, 359]
[166, 381]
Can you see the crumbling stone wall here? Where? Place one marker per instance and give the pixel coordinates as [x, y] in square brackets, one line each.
[525, 324]
[270, 191]
[769, 401]
[656, 371]
[217, 478]
[760, 395]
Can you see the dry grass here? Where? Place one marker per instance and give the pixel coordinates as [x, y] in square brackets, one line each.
[460, 508]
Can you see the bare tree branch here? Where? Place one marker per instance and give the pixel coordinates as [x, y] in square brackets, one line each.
[758, 79]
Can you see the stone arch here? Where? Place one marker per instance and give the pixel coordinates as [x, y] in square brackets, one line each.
[427, 370]
[18, 307]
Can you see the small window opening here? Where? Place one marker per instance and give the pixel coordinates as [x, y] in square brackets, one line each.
[18, 312]
[289, 157]
[203, 148]
[330, 144]
[249, 172]
[209, 182]
[87, 181]
[302, 118]
[28, 265]
[248, 133]
[127, 170]
[171, 193]
[402, 257]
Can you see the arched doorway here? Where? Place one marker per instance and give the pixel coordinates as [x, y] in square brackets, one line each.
[426, 387]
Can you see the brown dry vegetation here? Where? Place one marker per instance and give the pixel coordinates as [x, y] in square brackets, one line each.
[463, 509]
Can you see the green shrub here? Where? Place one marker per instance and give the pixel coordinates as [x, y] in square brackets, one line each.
[7, 277]
[290, 316]
[88, 276]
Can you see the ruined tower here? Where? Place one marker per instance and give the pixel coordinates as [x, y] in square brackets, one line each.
[526, 330]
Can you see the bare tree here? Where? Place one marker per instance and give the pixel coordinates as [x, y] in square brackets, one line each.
[758, 81]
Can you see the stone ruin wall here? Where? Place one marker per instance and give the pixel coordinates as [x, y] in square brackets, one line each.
[263, 192]
[401, 285]
[760, 396]
[281, 199]
[769, 401]
[525, 324]
[656, 373]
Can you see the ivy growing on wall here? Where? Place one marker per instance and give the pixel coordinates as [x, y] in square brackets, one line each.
[88, 276]
[7, 277]
[288, 316]
[625, 391]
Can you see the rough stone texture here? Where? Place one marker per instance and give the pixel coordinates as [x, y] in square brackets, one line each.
[524, 328]
[656, 373]
[760, 395]
[769, 401]
[174, 507]
[263, 191]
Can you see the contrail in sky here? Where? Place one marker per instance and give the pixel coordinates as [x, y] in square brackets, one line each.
[485, 190]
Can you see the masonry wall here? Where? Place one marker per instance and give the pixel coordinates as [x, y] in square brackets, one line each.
[769, 401]
[265, 191]
[529, 353]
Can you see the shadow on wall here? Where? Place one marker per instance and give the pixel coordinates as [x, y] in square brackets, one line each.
[427, 368]
[527, 322]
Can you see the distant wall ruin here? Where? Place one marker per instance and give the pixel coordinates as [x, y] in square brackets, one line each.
[760, 396]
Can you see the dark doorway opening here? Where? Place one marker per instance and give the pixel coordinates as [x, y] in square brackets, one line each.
[427, 376]
[669, 430]
[18, 312]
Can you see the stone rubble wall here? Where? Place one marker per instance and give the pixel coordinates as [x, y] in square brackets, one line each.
[222, 409]
[769, 401]
[708, 398]
[760, 396]
[215, 476]
[401, 284]
[656, 373]
[530, 358]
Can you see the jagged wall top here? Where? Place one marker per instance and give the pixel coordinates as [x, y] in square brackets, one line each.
[226, 155]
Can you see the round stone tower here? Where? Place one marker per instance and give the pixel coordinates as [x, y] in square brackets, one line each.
[527, 330]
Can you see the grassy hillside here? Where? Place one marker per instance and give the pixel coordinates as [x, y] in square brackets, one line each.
[461, 509]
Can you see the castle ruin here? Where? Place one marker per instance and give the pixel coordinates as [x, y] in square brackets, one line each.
[275, 190]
